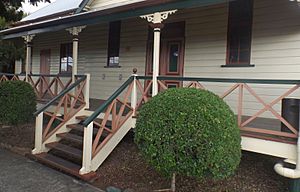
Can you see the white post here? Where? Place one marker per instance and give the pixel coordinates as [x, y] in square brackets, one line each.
[134, 92]
[156, 57]
[39, 147]
[75, 57]
[86, 91]
[28, 40]
[156, 19]
[87, 150]
[75, 32]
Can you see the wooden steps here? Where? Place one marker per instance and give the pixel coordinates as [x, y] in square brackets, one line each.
[98, 120]
[66, 155]
[71, 138]
[68, 150]
[63, 165]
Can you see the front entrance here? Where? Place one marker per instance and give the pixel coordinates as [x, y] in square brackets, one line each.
[45, 56]
[171, 52]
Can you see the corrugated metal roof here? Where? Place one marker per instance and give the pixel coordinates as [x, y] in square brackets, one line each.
[58, 6]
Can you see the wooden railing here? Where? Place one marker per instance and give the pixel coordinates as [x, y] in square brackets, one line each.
[49, 86]
[239, 89]
[116, 111]
[55, 114]
[46, 87]
[11, 77]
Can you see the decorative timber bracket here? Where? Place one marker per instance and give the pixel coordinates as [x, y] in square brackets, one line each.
[75, 30]
[158, 17]
[28, 38]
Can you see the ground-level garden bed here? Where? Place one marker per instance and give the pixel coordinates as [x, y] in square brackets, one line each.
[126, 169]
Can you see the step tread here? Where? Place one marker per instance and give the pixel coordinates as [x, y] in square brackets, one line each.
[79, 127]
[59, 163]
[74, 152]
[98, 120]
[71, 137]
[63, 165]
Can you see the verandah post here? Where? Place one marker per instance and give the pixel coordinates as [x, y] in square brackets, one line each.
[75, 32]
[28, 40]
[156, 19]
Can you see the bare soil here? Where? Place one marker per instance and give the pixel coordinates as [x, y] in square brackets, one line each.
[126, 169]
[19, 139]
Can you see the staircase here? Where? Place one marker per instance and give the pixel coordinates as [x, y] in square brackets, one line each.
[76, 141]
[66, 154]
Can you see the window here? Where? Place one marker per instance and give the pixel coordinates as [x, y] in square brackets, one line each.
[114, 44]
[239, 32]
[66, 59]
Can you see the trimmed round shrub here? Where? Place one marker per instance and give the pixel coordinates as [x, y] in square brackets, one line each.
[17, 102]
[189, 132]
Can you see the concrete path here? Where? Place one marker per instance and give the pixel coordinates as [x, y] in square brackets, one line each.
[19, 174]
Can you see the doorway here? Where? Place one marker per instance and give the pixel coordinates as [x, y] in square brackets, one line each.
[45, 60]
[171, 53]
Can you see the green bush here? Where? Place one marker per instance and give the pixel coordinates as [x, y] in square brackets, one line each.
[189, 132]
[17, 102]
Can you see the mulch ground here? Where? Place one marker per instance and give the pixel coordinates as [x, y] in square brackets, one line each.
[126, 169]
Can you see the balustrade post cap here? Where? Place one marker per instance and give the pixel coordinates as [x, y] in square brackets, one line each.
[134, 70]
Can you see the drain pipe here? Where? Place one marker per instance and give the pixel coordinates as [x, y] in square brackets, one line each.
[287, 172]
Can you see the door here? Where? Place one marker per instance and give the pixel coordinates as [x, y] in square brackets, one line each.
[45, 56]
[171, 53]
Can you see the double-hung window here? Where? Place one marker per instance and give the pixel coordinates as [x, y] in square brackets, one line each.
[239, 33]
[114, 44]
[66, 58]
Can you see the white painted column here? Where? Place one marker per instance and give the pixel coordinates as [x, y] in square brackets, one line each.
[28, 40]
[75, 32]
[156, 19]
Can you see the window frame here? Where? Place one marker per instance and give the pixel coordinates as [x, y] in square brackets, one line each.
[68, 48]
[113, 44]
[237, 22]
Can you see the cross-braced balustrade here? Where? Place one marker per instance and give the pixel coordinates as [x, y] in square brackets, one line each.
[56, 113]
[242, 91]
[49, 86]
[46, 87]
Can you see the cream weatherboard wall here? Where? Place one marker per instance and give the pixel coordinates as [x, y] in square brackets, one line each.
[275, 49]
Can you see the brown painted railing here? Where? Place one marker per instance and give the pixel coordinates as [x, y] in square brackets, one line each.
[56, 113]
[11, 77]
[240, 90]
[116, 110]
[49, 86]
[46, 87]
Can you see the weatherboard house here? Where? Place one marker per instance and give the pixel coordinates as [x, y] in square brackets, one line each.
[92, 63]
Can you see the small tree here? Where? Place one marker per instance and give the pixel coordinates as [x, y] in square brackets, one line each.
[189, 132]
[17, 102]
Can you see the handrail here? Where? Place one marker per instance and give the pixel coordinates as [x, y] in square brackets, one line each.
[12, 74]
[107, 102]
[227, 80]
[77, 82]
[54, 75]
